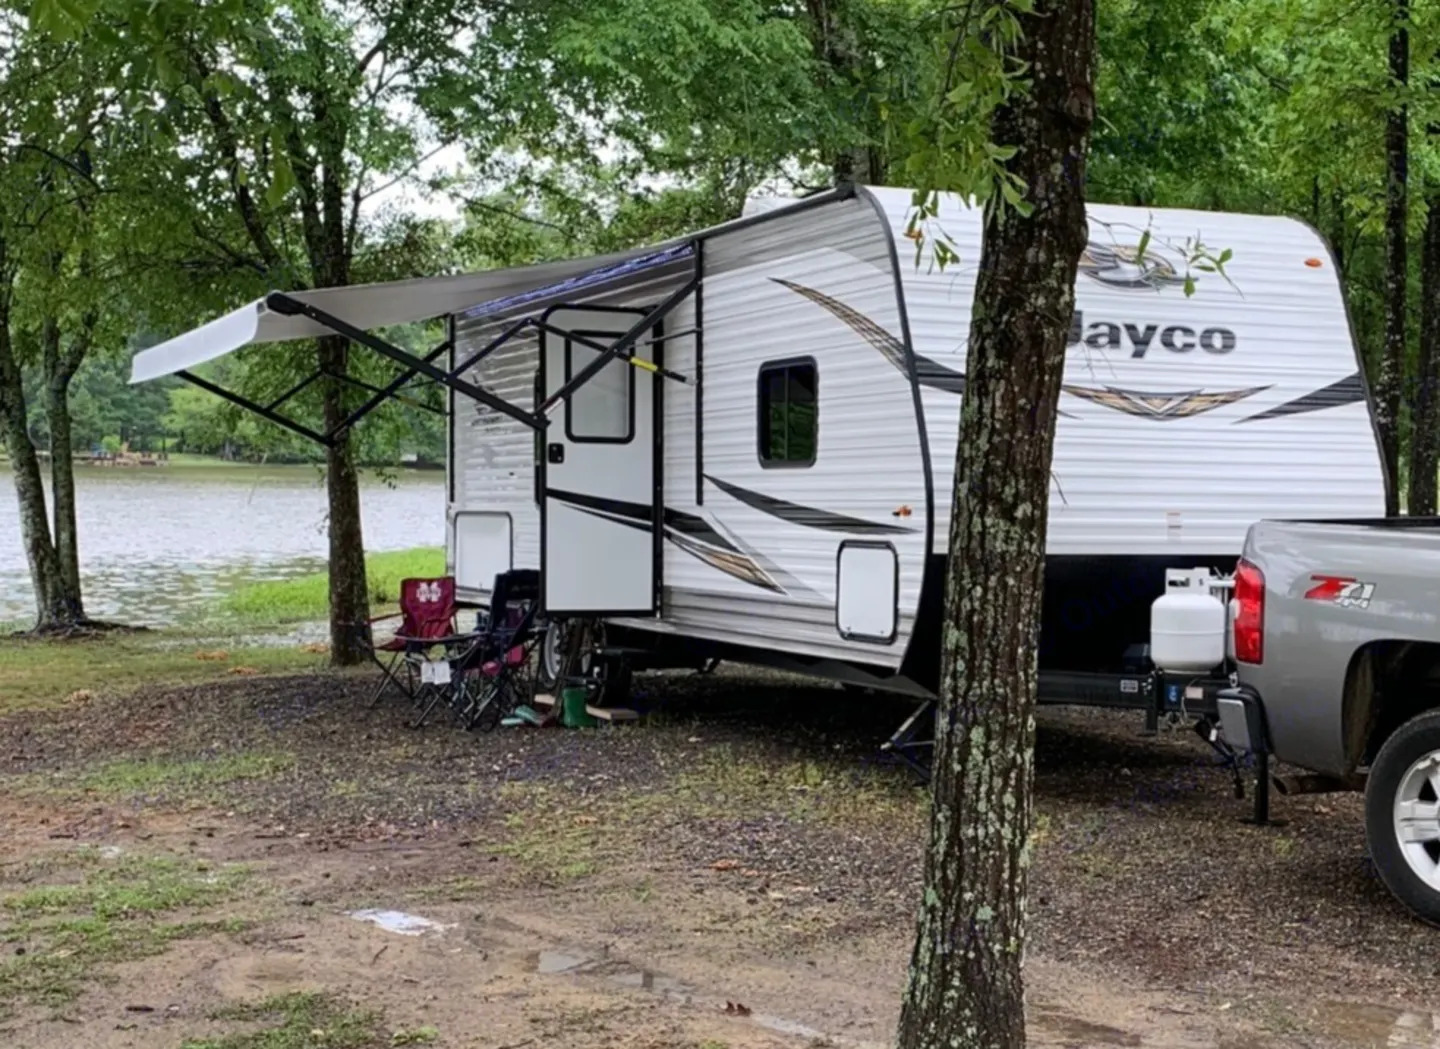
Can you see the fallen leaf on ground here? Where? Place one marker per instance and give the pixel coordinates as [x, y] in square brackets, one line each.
[213, 657]
[724, 865]
[244, 671]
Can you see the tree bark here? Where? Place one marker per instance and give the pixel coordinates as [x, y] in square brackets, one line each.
[62, 483]
[1425, 413]
[52, 609]
[1391, 380]
[836, 46]
[965, 987]
[60, 363]
[349, 589]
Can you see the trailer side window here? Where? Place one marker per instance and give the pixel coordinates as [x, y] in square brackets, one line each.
[789, 423]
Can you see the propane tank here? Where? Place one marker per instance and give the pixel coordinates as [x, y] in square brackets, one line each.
[1187, 623]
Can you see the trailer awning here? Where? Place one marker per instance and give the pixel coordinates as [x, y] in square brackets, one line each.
[363, 306]
[355, 312]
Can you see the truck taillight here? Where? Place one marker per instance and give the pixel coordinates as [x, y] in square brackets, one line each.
[1249, 613]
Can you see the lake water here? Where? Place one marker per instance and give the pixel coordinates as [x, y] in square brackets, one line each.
[160, 543]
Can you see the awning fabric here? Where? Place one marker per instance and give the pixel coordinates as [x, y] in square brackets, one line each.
[371, 306]
[366, 306]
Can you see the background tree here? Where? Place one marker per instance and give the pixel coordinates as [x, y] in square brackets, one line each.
[56, 225]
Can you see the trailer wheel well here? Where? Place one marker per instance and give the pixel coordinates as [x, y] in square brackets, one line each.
[1387, 684]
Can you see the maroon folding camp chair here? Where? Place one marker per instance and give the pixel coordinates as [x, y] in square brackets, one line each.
[427, 619]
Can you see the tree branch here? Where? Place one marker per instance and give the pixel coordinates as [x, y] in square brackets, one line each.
[471, 202]
[230, 151]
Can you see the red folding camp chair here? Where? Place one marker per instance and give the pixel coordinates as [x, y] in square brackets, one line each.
[485, 667]
[427, 619]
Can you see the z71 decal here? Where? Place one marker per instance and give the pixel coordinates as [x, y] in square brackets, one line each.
[1340, 590]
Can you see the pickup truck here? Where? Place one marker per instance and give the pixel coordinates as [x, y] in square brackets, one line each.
[1335, 627]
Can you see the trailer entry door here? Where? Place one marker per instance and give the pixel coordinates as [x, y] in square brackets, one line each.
[602, 509]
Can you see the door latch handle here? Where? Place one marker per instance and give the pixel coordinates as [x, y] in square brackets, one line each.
[555, 453]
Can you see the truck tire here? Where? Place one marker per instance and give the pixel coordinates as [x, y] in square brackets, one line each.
[1402, 815]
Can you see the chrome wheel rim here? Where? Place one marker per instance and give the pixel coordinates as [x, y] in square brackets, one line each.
[1417, 818]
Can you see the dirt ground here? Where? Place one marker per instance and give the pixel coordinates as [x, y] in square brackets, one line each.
[184, 867]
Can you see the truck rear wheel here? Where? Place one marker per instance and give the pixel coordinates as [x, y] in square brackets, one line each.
[1402, 815]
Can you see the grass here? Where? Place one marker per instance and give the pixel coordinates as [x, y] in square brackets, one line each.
[188, 777]
[305, 1021]
[307, 597]
[722, 781]
[58, 937]
[35, 674]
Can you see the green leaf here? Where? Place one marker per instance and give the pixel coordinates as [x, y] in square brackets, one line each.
[1140, 248]
[1189, 286]
[282, 182]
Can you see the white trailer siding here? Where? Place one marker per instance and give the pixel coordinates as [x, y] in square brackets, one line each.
[1175, 451]
[867, 483]
[1184, 419]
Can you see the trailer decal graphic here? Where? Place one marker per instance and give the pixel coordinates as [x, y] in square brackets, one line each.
[690, 533]
[1349, 390]
[806, 516]
[1122, 266]
[1161, 406]
[1345, 591]
[928, 372]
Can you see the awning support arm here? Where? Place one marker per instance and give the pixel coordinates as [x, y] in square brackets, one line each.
[258, 409]
[285, 305]
[361, 384]
[619, 346]
[628, 356]
[278, 401]
[387, 392]
[491, 346]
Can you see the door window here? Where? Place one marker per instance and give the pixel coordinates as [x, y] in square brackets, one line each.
[602, 410]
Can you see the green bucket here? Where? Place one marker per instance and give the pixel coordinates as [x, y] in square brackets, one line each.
[572, 707]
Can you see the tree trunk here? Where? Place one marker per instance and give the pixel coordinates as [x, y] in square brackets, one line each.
[837, 47]
[1392, 362]
[965, 987]
[349, 590]
[62, 492]
[60, 367]
[53, 610]
[1425, 413]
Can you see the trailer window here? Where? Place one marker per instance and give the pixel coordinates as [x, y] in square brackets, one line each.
[789, 423]
[602, 410]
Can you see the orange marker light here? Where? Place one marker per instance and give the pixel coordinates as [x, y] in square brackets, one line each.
[1314, 264]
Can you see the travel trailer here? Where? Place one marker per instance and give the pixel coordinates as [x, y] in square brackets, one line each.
[740, 444]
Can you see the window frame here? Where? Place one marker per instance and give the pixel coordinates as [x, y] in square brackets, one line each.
[629, 395]
[767, 368]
